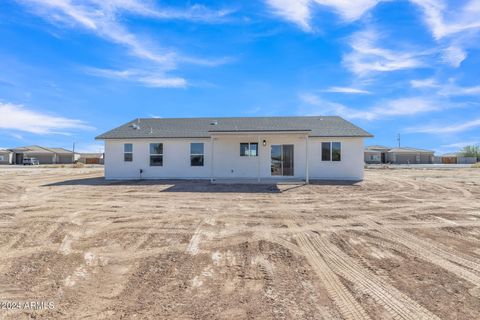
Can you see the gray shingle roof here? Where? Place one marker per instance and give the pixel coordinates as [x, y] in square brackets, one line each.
[317, 126]
[377, 148]
[410, 150]
[39, 149]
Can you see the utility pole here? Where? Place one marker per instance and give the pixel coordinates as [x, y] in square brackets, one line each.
[398, 139]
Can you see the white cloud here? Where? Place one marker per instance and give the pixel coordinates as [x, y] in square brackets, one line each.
[391, 108]
[321, 106]
[460, 145]
[104, 18]
[100, 19]
[444, 20]
[454, 56]
[367, 55]
[17, 117]
[448, 129]
[296, 11]
[424, 83]
[149, 79]
[300, 11]
[350, 10]
[148, 8]
[457, 146]
[16, 136]
[347, 90]
[448, 89]
[455, 24]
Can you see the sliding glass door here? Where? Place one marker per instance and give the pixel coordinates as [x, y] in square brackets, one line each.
[282, 160]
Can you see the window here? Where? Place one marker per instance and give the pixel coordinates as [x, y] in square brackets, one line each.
[248, 149]
[336, 151]
[128, 152]
[326, 151]
[156, 154]
[331, 151]
[196, 154]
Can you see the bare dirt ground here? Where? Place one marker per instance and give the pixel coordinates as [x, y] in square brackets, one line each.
[404, 244]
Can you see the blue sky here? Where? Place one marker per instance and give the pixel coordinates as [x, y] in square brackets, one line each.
[70, 70]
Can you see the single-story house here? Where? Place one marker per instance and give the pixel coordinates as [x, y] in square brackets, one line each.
[257, 148]
[457, 158]
[6, 156]
[403, 155]
[91, 158]
[406, 155]
[43, 154]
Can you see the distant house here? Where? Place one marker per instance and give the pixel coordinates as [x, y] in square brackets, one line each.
[6, 156]
[403, 155]
[376, 154]
[91, 158]
[457, 158]
[43, 154]
[257, 148]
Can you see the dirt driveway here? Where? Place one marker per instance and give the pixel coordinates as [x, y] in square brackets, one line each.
[404, 244]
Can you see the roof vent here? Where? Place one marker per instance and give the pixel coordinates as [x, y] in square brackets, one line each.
[134, 126]
[214, 123]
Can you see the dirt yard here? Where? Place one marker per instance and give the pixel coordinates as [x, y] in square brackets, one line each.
[404, 244]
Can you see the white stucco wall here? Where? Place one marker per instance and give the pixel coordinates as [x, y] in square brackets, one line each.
[7, 157]
[227, 160]
[350, 167]
[176, 160]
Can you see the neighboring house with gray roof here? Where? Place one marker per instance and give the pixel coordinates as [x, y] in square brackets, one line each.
[6, 156]
[403, 155]
[257, 148]
[43, 154]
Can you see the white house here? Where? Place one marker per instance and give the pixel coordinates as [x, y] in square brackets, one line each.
[255, 148]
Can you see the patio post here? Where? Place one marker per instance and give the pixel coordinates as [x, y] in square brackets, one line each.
[258, 158]
[212, 144]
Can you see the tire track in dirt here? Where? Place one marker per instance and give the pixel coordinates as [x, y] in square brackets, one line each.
[280, 241]
[342, 297]
[193, 246]
[398, 304]
[267, 270]
[426, 246]
[449, 233]
[417, 248]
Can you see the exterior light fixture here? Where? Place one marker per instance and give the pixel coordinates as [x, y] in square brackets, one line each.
[264, 143]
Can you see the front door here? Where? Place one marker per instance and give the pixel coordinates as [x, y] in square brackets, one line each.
[282, 160]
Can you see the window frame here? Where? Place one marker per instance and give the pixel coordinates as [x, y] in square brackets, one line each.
[197, 154]
[125, 153]
[334, 159]
[331, 153]
[248, 150]
[326, 156]
[155, 154]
